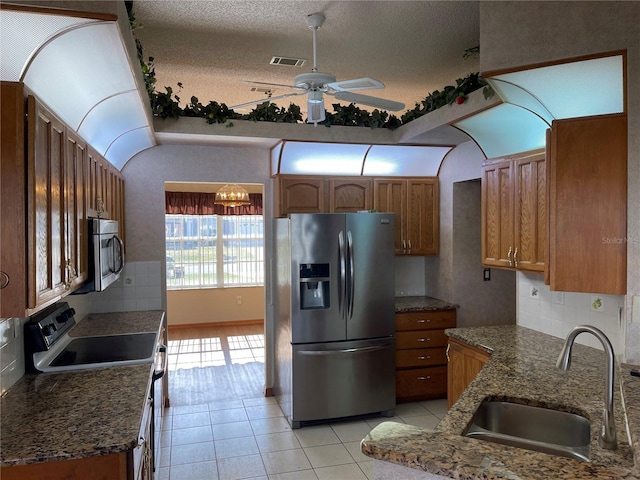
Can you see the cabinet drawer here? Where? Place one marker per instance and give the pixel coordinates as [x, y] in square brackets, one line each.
[425, 320]
[421, 339]
[421, 383]
[420, 357]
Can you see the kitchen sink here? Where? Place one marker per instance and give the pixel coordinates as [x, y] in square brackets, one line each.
[533, 428]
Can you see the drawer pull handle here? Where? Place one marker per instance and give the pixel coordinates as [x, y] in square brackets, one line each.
[424, 378]
[424, 339]
[422, 357]
[424, 321]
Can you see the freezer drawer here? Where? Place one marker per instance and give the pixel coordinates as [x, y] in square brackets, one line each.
[343, 379]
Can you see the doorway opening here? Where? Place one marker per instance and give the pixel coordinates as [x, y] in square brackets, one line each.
[215, 270]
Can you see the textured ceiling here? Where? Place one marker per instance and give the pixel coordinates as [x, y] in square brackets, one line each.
[413, 47]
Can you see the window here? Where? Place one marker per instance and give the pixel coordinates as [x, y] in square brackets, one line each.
[214, 251]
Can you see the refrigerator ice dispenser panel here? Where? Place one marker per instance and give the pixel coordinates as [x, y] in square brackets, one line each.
[315, 286]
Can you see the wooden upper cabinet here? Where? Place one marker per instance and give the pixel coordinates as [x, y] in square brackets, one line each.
[76, 228]
[588, 204]
[497, 213]
[46, 213]
[423, 216]
[301, 195]
[415, 202]
[514, 226]
[390, 195]
[350, 195]
[13, 264]
[530, 213]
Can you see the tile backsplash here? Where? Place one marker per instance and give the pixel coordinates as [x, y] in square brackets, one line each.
[556, 313]
[11, 352]
[409, 276]
[139, 288]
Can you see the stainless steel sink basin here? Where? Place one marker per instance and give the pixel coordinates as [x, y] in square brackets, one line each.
[533, 428]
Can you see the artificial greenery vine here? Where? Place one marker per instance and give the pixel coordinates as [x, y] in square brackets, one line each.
[167, 104]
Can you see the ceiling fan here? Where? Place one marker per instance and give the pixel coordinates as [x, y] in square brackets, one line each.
[315, 84]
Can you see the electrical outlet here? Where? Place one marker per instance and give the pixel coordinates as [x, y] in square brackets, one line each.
[128, 281]
[534, 292]
[597, 303]
[239, 299]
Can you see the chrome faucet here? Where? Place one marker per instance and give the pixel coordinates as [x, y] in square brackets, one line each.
[607, 438]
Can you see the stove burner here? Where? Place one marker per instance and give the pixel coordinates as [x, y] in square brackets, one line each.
[106, 349]
[49, 347]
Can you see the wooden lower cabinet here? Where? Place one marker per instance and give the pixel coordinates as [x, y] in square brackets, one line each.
[104, 467]
[465, 362]
[421, 362]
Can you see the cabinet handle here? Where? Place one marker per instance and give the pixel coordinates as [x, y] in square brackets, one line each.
[509, 256]
[515, 257]
[4, 280]
[404, 246]
[447, 352]
[424, 378]
[424, 339]
[424, 321]
[409, 245]
[422, 357]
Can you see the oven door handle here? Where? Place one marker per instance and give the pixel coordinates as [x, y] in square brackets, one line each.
[158, 374]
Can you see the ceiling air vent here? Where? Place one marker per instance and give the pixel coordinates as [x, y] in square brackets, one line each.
[287, 61]
[266, 91]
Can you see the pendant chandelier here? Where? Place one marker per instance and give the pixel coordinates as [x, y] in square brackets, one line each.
[232, 195]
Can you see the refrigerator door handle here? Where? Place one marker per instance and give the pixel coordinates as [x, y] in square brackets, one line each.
[342, 287]
[344, 350]
[352, 283]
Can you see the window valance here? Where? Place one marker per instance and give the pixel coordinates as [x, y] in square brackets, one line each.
[195, 203]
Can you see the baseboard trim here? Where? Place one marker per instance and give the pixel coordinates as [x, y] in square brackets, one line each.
[230, 323]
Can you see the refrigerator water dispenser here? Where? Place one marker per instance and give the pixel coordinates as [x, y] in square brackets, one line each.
[314, 286]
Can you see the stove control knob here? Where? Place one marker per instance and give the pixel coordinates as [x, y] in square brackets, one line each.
[48, 329]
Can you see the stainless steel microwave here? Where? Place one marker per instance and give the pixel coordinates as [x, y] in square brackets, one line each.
[106, 255]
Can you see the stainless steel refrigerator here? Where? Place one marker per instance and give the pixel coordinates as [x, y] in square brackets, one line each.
[334, 333]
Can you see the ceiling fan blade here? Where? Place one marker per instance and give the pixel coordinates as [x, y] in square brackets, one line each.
[251, 82]
[267, 100]
[376, 102]
[356, 84]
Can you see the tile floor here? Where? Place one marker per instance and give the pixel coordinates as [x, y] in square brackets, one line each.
[247, 437]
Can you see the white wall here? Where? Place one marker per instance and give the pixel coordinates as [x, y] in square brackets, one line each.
[514, 34]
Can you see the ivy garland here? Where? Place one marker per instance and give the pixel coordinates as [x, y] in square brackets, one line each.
[167, 104]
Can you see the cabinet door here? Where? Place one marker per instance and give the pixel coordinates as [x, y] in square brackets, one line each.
[13, 279]
[497, 213]
[46, 164]
[465, 362]
[422, 217]
[75, 214]
[302, 195]
[588, 205]
[350, 195]
[390, 195]
[530, 208]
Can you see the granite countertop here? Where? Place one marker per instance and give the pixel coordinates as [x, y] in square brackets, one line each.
[521, 367]
[418, 304]
[78, 414]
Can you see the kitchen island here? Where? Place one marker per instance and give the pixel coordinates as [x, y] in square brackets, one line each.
[521, 367]
[69, 417]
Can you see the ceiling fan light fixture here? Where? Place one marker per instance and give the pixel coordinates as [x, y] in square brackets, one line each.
[232, 195]
[315, 111]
